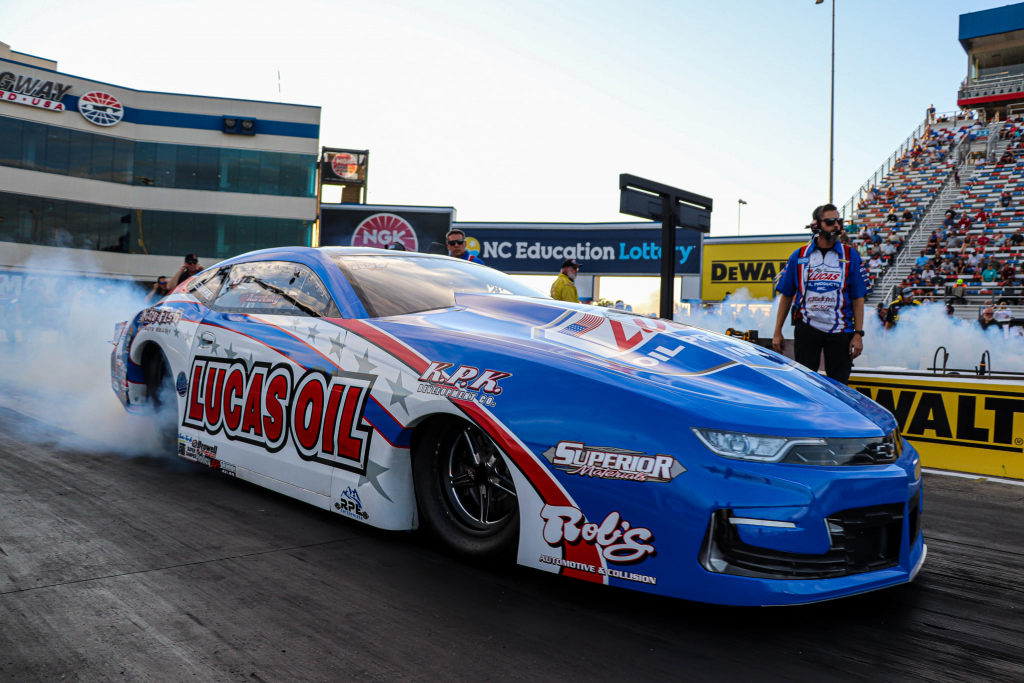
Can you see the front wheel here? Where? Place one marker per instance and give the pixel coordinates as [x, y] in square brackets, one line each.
[465, 491]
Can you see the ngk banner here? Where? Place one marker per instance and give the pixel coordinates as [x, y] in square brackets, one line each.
[360, 225]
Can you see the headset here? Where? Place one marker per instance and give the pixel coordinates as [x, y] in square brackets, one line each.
[818, 228]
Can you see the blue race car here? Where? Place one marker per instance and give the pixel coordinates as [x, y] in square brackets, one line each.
[405, 390]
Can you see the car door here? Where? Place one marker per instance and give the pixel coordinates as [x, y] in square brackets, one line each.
[256, 352]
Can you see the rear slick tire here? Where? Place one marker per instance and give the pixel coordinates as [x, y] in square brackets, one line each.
[465, 492]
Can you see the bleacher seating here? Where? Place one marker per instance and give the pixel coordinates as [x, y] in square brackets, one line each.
[911, 185]
[1003, 173]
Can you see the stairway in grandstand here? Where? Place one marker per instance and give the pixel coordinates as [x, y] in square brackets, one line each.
[886, 287]
[982, 190]
[916, 190]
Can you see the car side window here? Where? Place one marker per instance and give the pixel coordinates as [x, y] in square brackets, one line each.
[275, 288]
[206, 285]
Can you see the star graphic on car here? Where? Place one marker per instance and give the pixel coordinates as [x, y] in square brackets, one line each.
[312, 332]
[399, 393]
[230, 351]
[335, 346]
[373, 472]
[365, 366]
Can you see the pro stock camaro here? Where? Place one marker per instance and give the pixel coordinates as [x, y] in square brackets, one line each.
[403, 389]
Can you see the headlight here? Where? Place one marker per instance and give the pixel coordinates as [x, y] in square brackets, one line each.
[873, 450]
[750, 446]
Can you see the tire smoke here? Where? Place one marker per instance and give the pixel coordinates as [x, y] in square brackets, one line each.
[56, 325]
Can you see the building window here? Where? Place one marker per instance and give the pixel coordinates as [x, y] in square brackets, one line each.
[64, 151]
[78, 225]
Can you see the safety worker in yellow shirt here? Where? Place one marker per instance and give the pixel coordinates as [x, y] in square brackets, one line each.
[564, 286]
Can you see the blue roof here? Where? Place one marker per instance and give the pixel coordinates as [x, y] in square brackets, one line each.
[990, 22]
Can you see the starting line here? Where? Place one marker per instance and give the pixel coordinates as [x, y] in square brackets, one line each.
[975, 477]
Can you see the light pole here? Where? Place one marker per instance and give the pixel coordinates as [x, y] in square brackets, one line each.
[739, 208]
[832, 110]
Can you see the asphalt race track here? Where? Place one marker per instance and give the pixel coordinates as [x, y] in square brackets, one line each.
[150, 569]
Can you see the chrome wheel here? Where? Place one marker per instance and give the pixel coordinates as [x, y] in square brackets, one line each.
[477, 485]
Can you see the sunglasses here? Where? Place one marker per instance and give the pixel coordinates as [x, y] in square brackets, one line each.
[832, 221]
[453, 243]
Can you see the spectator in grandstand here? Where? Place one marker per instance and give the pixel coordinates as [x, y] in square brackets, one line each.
[982, 216]
[933, 240]
[564, 286]
[1004, 199]
[888, 248]
[987, 318]
[947, 267]
[862, 249]
[908, 216]
[876, 236]
[927, 274]
[983, 240]
[891, 218]
[990, 272]
[1017, 238]
[956, 177]
[832, 322]
[974, 260]
[1009, 272]
[950, 221]
[964, 223]
[890, 193]
[1000, 241]
[457, 247]
[922, 260]
[875, 263]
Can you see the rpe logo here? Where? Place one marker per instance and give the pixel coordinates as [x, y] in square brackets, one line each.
[622, 338]
[264, 406]
[381, 230]
[100, 108]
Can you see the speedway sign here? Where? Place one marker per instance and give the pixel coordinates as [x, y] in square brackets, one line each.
[32, 92]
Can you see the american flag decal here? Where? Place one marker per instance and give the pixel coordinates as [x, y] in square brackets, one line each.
[583, 325]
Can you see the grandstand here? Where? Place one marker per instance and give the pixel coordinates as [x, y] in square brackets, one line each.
[917, 181]
[989, 236]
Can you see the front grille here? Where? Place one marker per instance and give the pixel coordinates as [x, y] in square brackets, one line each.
[862, 540]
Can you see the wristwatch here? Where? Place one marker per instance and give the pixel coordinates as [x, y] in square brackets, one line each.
[860, 332]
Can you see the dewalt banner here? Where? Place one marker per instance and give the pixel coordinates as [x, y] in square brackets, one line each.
[955, 423]
[732, 263]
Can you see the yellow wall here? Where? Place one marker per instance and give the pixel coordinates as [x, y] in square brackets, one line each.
[728, 267]
[966, 425]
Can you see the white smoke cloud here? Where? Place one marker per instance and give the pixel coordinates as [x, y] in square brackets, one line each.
[910, 345]
[55, 357]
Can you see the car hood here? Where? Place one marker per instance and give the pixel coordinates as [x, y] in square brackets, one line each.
[727, 383]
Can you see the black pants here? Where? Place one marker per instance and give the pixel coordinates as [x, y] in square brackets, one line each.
[809, 342]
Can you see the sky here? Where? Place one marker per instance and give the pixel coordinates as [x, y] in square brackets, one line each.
[530, 110]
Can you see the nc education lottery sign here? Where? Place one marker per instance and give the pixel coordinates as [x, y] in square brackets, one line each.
[625, 250]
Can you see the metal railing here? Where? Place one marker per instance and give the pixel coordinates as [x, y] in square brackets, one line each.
[962, 117]
[993, 85]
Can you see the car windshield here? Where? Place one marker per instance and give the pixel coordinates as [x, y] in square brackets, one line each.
[397, 285]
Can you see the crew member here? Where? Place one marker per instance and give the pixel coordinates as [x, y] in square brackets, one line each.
[825, 280]
[457, 247]
[564, 286]
[190, 268]
[906, 298]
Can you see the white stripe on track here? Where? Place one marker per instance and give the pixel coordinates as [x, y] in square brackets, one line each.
[976, 477]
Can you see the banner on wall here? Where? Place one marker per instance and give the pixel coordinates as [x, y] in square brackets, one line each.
[362, 225]
[731, 263]
[601, 249]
